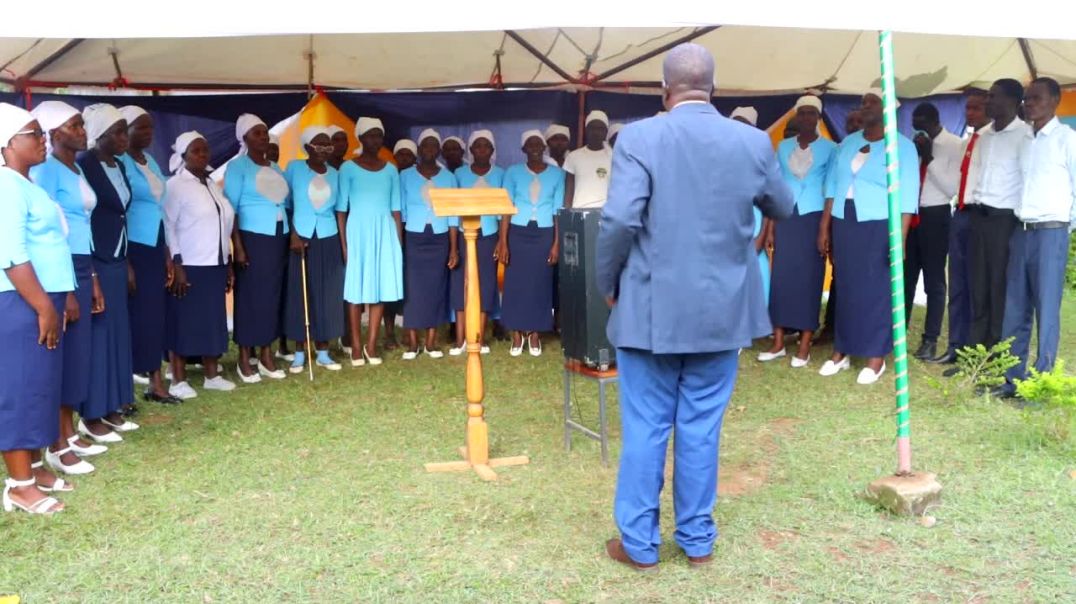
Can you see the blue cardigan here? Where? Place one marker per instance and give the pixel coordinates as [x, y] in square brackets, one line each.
[109, 219]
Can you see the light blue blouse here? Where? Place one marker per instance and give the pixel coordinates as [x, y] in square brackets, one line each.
[315, 199]
[493, 179]
[75, 196]
[33, 229]
[415, 200]
[366, 194]
[810, 190]
[146, 210]
[258, 194]
[538, 197]
[870, 195]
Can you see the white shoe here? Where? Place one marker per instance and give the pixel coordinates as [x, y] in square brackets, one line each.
[535, 352]
[830, 368]
[81, 451]
[182, 391]
[78, 469]
[766, 357]
[141, 380]
[59, 485]
[868, 377]
[357, 362]
[516, 352]
[45, 506]
[126, 426]
[457, 351]
[373, 361]
[273, 375]
[248, 379]
[219, 384]
[434, 354]
[485, 350]
[346, 349]
[798, 363]
[285, 357]
[331, 365]
[111, 437]
[409, 356]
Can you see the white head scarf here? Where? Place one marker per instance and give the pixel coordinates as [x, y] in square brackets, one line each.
[748, 113]
[614, 130]
[366, 124]
[333, 129]
[808, 100]
[598, 116]
[427, 133]
[459, 141]
[244, 124]
[532, 133]
[99, 118]
[274, 139]
[477, 134]
[311, 132]
[405, 143]
[12, 120]
[51, 115]
[555, 129]
[183, 141]
[132, 113]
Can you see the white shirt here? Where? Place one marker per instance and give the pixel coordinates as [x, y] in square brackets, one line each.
[999, 163]
[1049, 171]
[800, 162]
[943, 172]
[973, 164]
[591, 170]
[197, 220]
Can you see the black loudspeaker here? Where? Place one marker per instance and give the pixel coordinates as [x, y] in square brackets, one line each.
[583, 311]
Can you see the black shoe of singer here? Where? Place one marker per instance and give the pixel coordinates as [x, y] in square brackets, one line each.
[927, 350]
[948, 358]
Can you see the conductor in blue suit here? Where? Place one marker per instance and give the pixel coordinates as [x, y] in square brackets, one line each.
[676, 261]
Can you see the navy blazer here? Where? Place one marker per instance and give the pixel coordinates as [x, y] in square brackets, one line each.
[108, 222]
[675, 246]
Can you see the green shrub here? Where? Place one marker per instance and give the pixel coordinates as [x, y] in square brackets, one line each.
[1054, 393]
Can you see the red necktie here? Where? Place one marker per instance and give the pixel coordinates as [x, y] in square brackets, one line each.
[964, 166]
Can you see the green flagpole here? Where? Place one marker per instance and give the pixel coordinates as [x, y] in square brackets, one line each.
[896, 255]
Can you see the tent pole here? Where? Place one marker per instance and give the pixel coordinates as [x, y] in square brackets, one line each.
[540, 56]
[580, 137]
[702, 31]
[896, 256]
[1025, 48]
[310, 68]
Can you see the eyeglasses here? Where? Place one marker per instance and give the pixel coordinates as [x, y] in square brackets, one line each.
[322, 148]
[38, 132]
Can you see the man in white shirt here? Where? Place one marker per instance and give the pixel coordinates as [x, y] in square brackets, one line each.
[997, 195]
[558, 138]
[959, 270]
[928, 242]
[588, 167]
[1040, 244]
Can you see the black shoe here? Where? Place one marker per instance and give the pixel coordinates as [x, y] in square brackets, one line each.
[927, 350]
[130, 411]
[164, 400]
[949, 358]
[950, 372]
[1004, 391]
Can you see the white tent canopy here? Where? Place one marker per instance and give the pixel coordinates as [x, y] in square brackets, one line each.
[559, 43]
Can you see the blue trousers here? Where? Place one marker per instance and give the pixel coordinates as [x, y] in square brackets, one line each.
[1036, 280]
[959, 282]
[657, 393]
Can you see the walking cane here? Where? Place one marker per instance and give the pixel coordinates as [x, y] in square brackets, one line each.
[306, 317]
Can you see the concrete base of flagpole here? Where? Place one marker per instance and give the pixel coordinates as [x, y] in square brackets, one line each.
[909, 495]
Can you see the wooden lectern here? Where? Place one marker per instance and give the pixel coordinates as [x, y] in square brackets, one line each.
[471, 205]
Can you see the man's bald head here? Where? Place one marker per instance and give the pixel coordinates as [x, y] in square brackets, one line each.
[689, 68]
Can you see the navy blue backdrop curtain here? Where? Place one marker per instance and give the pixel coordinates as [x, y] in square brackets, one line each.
[506, 113]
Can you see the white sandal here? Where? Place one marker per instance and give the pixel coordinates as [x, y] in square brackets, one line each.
[111, 437]
[57, 487]
[126, 426]
[81, 451]
[56, 461]
[44, 506]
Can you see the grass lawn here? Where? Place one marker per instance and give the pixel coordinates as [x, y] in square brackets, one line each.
[316, 493]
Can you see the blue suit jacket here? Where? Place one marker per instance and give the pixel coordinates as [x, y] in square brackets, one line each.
[108, 223]
[675, 245]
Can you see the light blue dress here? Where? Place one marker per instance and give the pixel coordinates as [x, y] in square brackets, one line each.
[374, 272]
[763, 259]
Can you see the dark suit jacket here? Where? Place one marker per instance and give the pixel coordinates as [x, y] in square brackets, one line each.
[675, 246]
[109, 219]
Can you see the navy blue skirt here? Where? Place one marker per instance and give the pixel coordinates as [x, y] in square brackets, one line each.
[798, 273]
[324, 288]
[259, 288]
[527, 304]
[111, 384]
[425, 279]
[78, 339]
[861, 268]
[198, 322]
[148, 305]
[487, 274]
[30, 382]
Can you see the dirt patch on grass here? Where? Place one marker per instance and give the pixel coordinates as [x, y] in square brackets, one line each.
[155, 420]
[736, 480]
[876, 546]
[837, 554]
[773, 540]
